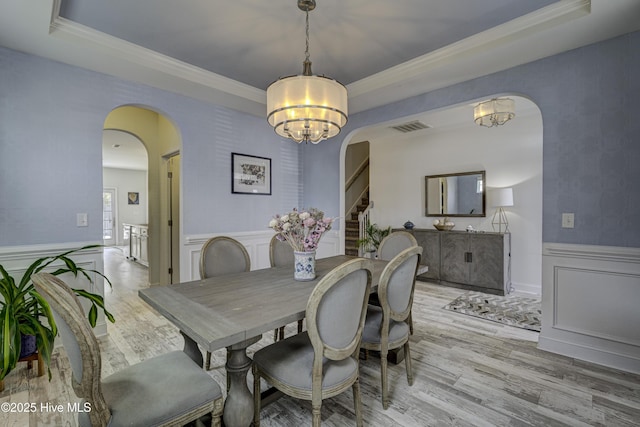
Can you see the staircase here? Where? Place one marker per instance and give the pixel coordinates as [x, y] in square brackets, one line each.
[352, 228]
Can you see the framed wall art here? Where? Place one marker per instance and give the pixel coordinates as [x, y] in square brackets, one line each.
[250, 174]
[133, 198]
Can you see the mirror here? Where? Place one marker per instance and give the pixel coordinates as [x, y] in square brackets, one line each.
[455, 194]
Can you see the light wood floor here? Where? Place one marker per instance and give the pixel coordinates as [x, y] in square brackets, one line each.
[468, 372]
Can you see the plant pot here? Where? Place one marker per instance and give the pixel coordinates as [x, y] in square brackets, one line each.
[27, 345]
[304, 265]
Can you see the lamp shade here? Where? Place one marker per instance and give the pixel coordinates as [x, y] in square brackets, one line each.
[503, 197]
[306, 107]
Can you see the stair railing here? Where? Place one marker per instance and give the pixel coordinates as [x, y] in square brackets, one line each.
[363, 220]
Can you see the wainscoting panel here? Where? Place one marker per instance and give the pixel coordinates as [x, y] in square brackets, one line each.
[17, 259]
[257, 245]
[590, 298]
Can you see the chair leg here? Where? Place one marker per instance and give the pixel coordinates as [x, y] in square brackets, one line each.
[300, 322]
[216, 415]
[357, 402]
[207, 364]
[281, 333]
[383, 377]
[275, 335]
[410, 323]
[227, 371]
[256, 396]
[407, 363]
[316, 409]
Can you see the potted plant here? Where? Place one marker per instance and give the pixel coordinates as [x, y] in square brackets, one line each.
[23, 311]
[373, 235]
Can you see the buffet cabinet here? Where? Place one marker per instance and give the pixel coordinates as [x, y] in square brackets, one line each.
[138, 242]
[470, 260]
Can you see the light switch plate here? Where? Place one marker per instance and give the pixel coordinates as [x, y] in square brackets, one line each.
[567, 220]
[82, 220]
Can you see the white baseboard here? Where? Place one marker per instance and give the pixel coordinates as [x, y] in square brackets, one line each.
[526, 290]
[590, 296]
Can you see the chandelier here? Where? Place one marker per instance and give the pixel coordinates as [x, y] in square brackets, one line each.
[306, 107]
[495, 112]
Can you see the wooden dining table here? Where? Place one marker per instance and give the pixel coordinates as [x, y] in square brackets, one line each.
[233, 311]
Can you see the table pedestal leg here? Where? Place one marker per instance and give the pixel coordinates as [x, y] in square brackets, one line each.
[192, 350]
[238, 407]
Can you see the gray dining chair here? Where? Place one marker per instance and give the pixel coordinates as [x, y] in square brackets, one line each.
[394, 243]
[386, 325]
[222, 255]
[143, 394]
[323, 361]
[390, 246]
[281, 255]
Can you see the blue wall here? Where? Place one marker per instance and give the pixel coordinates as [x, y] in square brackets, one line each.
[51, 120]
[591, 138]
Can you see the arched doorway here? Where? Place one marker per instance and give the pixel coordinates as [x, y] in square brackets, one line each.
[450, 142]
[163, 143]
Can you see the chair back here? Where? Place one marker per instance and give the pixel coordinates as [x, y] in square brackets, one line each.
[395, 243]
[397, 284]
[280, 252]
[79, 342]
[336, 311]
[223, 255]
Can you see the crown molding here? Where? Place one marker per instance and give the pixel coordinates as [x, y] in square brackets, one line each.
[490, 39]
[132, 53]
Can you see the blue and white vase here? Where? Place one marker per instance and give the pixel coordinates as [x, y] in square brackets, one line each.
[304, 265]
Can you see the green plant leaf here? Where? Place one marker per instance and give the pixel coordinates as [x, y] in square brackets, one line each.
[10, 348]
[93, 315]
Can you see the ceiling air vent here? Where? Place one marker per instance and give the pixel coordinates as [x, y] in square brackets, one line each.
[410, 126]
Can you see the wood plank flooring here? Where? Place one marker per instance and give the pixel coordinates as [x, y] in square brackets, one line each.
[468, 372]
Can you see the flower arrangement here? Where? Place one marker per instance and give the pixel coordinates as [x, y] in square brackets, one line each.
[301, 229]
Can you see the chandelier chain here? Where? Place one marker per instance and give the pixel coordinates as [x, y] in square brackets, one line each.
[306, 52]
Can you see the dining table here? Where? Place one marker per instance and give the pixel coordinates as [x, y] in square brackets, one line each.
[233, 311]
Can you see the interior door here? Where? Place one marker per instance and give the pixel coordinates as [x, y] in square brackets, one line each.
[109, 209]
[173, 165]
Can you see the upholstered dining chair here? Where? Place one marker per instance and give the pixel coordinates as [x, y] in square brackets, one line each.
[281, 255]
[222, 255]
[143, 394]
[386, 325]
[389, 247]
[323, 361]
[394, 243]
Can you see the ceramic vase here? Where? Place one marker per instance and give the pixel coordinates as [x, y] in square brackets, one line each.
[304, 265]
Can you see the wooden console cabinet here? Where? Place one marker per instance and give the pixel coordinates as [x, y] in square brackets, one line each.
[479, 261]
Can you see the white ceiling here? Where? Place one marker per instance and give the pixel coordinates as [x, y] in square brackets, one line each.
[122, 150]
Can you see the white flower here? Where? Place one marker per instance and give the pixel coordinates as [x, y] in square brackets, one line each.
[273, 223]
[286, 226]
[304, 215]
[284, 218]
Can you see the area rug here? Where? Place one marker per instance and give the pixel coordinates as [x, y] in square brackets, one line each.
[510, 310]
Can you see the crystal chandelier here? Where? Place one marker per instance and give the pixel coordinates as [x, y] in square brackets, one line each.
[306, 107]
[495, 112]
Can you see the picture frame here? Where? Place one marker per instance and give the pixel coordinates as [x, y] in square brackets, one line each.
[250, 174]
[133, 198]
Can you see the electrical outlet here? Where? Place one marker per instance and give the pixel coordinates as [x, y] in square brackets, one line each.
[567, 220]
[82, 220]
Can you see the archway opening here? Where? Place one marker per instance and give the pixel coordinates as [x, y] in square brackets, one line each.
[450, 142]
[163, 144]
